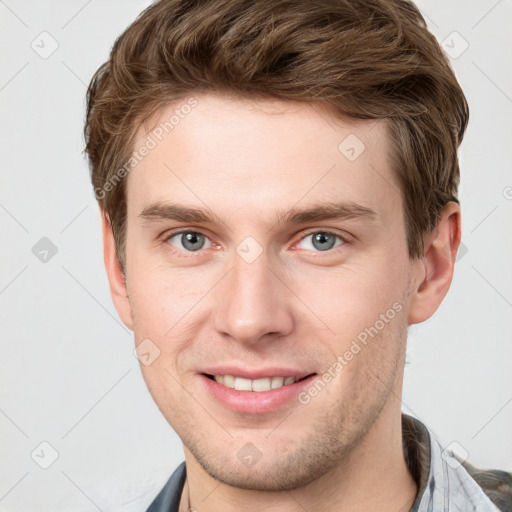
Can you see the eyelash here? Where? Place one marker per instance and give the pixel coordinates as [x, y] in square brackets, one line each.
[167, 236]
[181, 252]
[343, 239]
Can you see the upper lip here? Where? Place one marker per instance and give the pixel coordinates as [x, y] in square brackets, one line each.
[256, 373]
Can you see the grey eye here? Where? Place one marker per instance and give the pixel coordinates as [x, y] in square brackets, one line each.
[321, 241]
[189, 241]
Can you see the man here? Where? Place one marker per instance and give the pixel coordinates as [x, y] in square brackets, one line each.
[278, 185]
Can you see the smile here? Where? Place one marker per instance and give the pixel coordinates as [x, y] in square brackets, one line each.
[263, 394]
[258, 385]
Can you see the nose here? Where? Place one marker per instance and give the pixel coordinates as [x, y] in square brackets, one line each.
[253, 304]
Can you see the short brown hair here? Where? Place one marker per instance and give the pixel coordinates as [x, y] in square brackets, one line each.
[365, 59]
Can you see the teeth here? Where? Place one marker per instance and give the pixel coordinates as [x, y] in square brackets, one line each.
[277, 382]
[243, 384]
[264, 384]
[261, 384]
[229, 380]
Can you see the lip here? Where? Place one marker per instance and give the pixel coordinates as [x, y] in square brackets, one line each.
[254, 402]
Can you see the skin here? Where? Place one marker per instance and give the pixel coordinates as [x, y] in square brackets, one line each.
[296, 306]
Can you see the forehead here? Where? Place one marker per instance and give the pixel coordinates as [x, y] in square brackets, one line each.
[231, 154]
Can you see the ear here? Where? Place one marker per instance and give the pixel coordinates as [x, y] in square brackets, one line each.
[115, 275]
[434, 279]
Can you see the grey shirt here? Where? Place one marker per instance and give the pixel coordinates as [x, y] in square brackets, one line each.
[443, 483]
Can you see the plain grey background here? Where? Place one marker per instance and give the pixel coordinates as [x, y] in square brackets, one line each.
[69, 378]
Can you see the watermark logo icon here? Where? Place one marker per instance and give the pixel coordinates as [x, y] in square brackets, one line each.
[461, 252]
[454, 454]
[249, 455]
[351, 147]
[146, 352]
[44, 455]
[249, 249]
[44, 45]
[44, 250]
[454, 45]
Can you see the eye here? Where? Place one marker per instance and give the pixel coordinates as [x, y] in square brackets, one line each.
[189, 241]
[320, 241]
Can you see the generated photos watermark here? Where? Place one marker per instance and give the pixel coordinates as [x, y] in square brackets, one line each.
[152, 140]
[357, 345]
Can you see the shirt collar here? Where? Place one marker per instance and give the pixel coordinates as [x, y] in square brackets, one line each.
[443, 483]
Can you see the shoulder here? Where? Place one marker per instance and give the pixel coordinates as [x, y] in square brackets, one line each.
[496, 484]
[168, 499]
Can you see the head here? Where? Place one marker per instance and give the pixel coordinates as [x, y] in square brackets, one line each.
[278, 186]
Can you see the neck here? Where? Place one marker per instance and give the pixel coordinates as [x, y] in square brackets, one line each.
[374, 476]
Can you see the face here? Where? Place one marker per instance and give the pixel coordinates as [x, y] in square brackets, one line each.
[266, 240]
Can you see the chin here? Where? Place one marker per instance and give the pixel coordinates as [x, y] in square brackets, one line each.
[268, 469]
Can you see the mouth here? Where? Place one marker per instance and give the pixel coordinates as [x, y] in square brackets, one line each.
[257, 385]
[263, 394]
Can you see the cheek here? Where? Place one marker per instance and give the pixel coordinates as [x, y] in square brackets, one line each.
[161, 296]
[350, 298]
[163, 383]
[169, 307]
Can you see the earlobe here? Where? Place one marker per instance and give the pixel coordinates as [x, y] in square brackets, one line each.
[436, 270]
[116, 278]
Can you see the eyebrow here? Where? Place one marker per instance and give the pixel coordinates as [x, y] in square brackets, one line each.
[326, 212]
[167, 211]
[330, 211]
